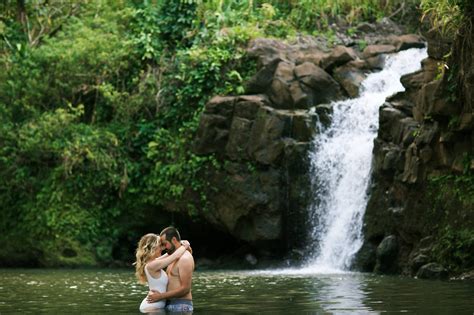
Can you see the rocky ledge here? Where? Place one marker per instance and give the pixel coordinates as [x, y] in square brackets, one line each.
[426, 135]
[262, 138]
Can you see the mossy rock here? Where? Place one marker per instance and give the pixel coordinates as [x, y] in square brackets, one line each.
[67, 253]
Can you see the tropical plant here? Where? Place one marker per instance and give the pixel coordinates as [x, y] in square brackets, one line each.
[444, 15]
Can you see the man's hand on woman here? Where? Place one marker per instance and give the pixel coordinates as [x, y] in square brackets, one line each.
[153, 296]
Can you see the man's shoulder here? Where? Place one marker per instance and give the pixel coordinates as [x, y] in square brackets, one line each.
[186, 258]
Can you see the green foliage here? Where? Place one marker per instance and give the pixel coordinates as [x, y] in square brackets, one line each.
[458, 187]
[99, 106]
[69, 68]
[317, 14]
[221, 68]
[177, 171]
[362, 44]
[286, 18]
[454, 248]
[61, 177]
[452, 86]
[33, 21]
[444, 15]
[454, 122]
[97, 123]
[146, 29]
[451, 217]
[176, 19]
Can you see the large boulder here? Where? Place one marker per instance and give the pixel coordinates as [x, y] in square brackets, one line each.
[432, 271]
[248, 205]
[366, 258]
[267, 50]
[431, 102]
[350, 78]
[374, 50]
[239, 135]
[280, 92]
[315, 57]
[417, 262]
[386, 255]
[266, 142]
[408, 41]
[339, 56]
[438, 45]
[262, 80]
[318, 84]
[213, 130]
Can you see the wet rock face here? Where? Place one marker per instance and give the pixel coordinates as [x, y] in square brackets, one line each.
[432, 271]
[386, 255]
[264, 136]
[366, 259]
[261, 187]
[248, 204]
[422, 134]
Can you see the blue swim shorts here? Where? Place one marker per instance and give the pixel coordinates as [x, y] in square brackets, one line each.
[179, 305]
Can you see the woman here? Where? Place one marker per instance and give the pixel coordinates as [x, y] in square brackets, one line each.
[149, 267]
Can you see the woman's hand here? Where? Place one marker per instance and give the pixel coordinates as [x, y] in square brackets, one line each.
[153, 296]
[187, 245]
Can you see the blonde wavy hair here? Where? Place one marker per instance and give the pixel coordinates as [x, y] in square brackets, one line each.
[148, 245]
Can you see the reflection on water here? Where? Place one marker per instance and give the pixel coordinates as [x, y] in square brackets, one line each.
[66, 291]
[236, 292]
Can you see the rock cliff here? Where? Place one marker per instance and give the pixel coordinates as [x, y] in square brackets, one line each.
[420, 217]
[262, 138]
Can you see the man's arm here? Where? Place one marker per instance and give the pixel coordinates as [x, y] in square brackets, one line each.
[186, 266]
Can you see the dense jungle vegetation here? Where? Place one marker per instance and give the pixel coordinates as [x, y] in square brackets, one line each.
[100, 100]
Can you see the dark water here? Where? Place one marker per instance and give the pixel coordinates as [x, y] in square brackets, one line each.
[229, 292]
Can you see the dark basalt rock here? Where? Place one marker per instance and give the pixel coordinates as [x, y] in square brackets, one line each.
[386, 255]
[262, 139]
[422, 136]
[432, 271]
[417, 262]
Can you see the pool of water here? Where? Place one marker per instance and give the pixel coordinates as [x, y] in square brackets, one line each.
[234, 292]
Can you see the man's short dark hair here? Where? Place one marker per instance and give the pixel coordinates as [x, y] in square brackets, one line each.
[171, 232]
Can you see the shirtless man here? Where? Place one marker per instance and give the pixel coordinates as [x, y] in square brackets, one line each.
[180, 274]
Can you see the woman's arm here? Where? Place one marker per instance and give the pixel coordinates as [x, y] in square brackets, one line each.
[162, 261]
[185, 243]
[162, 256]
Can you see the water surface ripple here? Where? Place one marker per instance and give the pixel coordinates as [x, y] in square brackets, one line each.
[46, 291]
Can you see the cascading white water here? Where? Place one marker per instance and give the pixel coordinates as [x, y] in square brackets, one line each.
[341, 162]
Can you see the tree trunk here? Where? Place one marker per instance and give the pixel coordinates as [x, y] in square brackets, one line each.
[21, 11]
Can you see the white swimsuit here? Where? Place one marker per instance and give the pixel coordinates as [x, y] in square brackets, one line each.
[155, 284]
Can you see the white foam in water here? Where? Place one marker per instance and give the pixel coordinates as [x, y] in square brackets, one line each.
[340, 166]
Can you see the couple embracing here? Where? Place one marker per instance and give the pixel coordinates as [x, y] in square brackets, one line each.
[170, 289]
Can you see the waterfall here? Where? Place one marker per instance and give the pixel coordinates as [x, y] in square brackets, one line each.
[341, 162]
